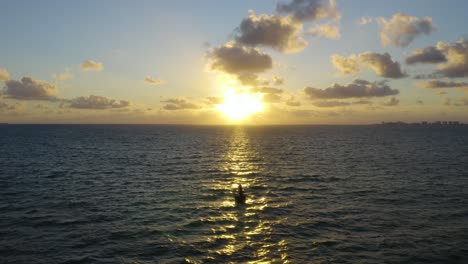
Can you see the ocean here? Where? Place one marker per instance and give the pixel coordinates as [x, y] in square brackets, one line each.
[164, 194]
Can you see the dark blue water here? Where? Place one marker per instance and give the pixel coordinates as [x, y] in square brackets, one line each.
[163, 194]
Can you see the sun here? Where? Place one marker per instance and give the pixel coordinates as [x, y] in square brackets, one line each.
[240, 105]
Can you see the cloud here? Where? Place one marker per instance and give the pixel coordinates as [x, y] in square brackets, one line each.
[30, 89]
[179, 104]
[381, 64]
[457, 59]
[325, 31]
[271, 98]
[338, 103]
[277, 32]
[244, 62]
[392, 102]
[151, 81]
[426, 55]
[4, 74]
[402, 29]
[292, 102]
[357, 89]
[278, 80]
[365, 20]
[90, 65]
[62, 76]
[97, 102]
[456, 102]
[309, 10]
[346, 66]
[442, 84]
[268, 90]
[211, 100]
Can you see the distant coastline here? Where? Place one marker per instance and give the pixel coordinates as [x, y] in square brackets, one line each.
[424, 123]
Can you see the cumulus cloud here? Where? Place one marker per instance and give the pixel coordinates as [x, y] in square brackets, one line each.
[178, 104]
[402, 29]
[309, 10]
[345, 65]
[152, 81]
[268, 90]
[392, 102]
[442, 84]
[325, 31]
[90, 65]
[457, 59]
[278, 32]
[4, 74]
[381, 64]
[358, 88]
[426, 55]
[30, 89]
[244, 62]
[97, 103]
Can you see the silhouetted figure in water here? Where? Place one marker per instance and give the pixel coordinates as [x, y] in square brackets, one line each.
[240, 196]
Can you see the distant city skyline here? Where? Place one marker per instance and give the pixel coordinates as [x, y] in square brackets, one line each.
[233, 62]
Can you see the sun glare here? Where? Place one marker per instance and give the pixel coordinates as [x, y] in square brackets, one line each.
[238, 106]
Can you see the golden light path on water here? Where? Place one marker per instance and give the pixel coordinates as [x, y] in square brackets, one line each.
[245, 228]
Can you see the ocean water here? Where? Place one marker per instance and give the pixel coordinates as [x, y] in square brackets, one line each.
[164, 194]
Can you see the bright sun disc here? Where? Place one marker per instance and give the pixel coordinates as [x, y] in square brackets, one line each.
[237, 106]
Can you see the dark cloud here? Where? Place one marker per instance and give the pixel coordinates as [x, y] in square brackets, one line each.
[452, 59]
[30, 89]
[271, 98]
[457, 59]
[179, 104]
[309, 10]
[96, 102]
[244, 62]
[381, 64]
[277, 32]
[267, 90]
[442, 84]
[358, 88]
[338, 103]
[402, 29]
[426, 55]
[392, 102]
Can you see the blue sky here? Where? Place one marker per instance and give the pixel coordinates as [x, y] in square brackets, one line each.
[170, 40]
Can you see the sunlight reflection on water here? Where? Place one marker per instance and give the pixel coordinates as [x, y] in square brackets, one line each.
[244, 227]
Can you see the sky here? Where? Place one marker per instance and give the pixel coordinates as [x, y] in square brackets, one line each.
[233, 62]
